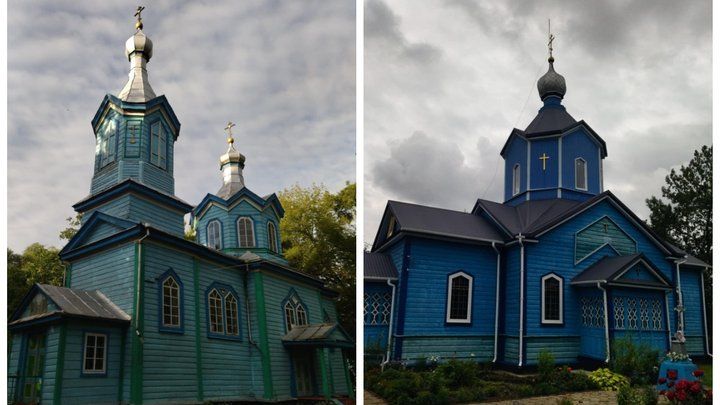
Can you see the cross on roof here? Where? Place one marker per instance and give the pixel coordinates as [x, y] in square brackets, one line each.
[139, 11]
[228, 129]
[551, 38]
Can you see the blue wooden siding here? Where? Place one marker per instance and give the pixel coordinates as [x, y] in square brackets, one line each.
[510, 352]
[376, 336]
[548, 178]
[138, 209]
[79, 388]
[511, 293]
[101, 231]
[639, 272]
[110, 271]
[52, 337]
[565, 349]
[594, 236]
[579, 144]
[479, 348]
[656, 339]
[118, 207]
[592, 323]
[516, 154]
[693, 315]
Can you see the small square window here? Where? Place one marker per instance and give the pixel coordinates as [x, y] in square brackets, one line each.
[95, 353]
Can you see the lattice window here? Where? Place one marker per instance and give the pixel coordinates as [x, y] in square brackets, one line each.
[644, 315]
[385, 314]
[377, 309]
[619, 312]
[585, 311]
[366, 308]
[657, 315]
[632, 314]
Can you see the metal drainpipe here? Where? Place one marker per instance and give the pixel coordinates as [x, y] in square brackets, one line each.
[138, 287]
[497, 302]
[702, 294]
[667, 317]
[607, 327]
[681, 315]
[392, 311]
[522, 298]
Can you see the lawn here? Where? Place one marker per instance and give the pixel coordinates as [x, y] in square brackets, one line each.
[707, 368]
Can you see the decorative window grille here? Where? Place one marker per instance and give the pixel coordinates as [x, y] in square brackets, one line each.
[585, 311]
[619, 312]
[657, 323]
[94, 356]
[231, 315]
[377, 308]
[246, 233]
[272, 237]
[214, 237]
[385, 314]
[366, 308]
[644, 315]
[632, 314]
[598, 313]
[216, 312]
[171, 302]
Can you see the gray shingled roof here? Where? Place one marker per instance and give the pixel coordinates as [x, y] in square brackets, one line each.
[528, 216]
[79, 303]
[378, 265]
[550, 119]
[318, 334]
[609, 267]
[443, 222]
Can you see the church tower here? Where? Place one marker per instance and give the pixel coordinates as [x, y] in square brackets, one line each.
[135, 133]
[555, 156]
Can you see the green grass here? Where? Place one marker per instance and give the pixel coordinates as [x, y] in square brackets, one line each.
[707, 377]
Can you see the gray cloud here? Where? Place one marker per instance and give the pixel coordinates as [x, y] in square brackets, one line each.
[283, 71]
[638, 72]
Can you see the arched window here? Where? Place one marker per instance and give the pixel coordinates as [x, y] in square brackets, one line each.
[170, 302]
[552, 299]
[581, 174]
[516, 179]
[246, 233]
[295, 312]
[214, 236]
[459, 302]
[231, 314]
[216, 312]
[272, 237]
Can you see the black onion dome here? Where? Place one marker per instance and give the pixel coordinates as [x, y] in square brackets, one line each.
[551, 83]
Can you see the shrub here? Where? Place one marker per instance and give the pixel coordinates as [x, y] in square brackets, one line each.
[546, 363]
[637, 362]
[459, 373]
[606, 380]
[628, 395]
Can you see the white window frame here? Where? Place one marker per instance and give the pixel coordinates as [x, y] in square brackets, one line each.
[516, 179]
[250, 236]
[272, 238]
[219, 326]
[231, 315]
[542, 299]
[220, 236]
[104, 359]
[452, 277]
[177, 289]
[585, 173]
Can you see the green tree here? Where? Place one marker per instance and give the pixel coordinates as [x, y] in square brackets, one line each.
[318, 238]
[37, 264]
[73, 226]
[683, 215]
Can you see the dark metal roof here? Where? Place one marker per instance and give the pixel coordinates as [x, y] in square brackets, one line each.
[550, 119]
[318, 334]
[442, 222]
[528, 216]
[79, 303]
[610, 268]
[694, 261]
[379, 265]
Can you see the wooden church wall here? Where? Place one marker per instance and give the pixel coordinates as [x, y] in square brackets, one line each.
[578, 144]
[516, 154]
[692, 299]
[426, 331]
[139, 209]
[376, 336]
[510, 307]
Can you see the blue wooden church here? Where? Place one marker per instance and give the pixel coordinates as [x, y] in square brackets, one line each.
[561, 264]
[148, 317]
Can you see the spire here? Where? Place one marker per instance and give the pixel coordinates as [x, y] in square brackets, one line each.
[231, 164]
[138, 50]
[551, 83]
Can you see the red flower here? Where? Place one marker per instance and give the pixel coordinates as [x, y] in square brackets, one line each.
[681, 385]
[695, 387]
[569, 369]
[670, 395]
[672, 374]
[670, 383]
[681, 396]
[698, 373]
[662, 380]
[662, 392]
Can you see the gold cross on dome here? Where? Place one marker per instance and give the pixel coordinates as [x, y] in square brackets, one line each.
[139, 24]
[228, 129]
[544, 158]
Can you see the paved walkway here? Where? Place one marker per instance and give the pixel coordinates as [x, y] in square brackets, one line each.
[590, 397]
[372, 399]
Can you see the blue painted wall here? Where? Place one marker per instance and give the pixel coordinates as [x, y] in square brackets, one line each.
[578, 143]
[376, 336]
[516, 154]
[693, 316]
[137, 209]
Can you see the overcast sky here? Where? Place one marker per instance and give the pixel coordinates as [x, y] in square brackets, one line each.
[447, 81]
[283, 71]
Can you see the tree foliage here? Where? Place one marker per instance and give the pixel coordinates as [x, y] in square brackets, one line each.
[37, 264]
[318, 238]
[73, 227]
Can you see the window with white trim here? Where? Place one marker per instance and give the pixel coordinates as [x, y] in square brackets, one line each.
[158, 145]
[552, 299]
[170, 302]
[581, 174]
[246, 232]
[272, 237]
[377, 308]
[632, 314]
[295, 313]
[516, 179]
[644, 314]
[214, 236]
[459, 301]
[657, 323]
[619, 311]
[95, 353]
[216, 313]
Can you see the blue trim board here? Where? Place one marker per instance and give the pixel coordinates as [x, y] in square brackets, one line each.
[95, 218]
[124, 106]
[131, 186]
[85, 332]
[120, 237]
[272, 200]
[181, 302]
[224, 336]
[402, 300]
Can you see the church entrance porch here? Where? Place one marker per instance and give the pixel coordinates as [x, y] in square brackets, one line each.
[32, 370]
[640, 316]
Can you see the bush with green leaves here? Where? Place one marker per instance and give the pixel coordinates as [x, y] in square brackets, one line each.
[638, 362]
[546, 363]
[628, 395]
[606, 380]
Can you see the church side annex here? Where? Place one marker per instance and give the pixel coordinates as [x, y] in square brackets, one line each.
[148, 317]
[560, 265]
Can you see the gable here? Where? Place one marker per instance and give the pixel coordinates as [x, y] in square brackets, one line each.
[638, 272]
[37, 304]
[603, 232]
[97, 227]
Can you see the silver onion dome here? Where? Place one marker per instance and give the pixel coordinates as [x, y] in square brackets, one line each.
[139, 43]
[551, 83]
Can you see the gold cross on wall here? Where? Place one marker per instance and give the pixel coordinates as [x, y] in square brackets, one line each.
[544, 158]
